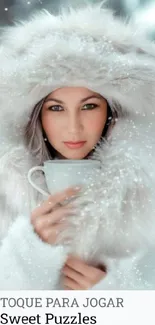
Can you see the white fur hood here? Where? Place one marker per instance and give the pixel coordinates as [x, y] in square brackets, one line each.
[87, 47]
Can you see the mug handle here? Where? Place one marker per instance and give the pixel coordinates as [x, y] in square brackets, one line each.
[31, 171]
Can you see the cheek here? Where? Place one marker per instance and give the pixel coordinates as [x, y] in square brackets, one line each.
[96, 123]
[50, 127]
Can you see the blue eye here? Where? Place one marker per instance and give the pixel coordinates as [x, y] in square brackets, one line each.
[55, 108]
[89, 106]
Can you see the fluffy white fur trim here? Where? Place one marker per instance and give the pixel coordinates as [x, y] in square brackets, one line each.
[84, 47]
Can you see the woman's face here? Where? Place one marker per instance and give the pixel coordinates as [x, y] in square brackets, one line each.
[73, 119]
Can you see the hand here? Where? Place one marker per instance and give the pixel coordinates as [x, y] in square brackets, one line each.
[49, 219]
[80, 276]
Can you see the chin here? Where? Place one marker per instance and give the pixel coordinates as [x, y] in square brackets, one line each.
[74, 155]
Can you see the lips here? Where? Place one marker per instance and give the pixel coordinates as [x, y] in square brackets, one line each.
[73, 145]
[74, 142]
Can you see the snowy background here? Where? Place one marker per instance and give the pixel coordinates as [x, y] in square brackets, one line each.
[141, 11]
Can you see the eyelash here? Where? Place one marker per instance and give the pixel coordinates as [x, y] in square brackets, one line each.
[90, 104]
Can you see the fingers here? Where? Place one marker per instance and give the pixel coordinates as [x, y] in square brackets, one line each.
[70, 284]
[80, 276]
[52, 218]
[49, 226]
[75, 276]
[49, 235]
[49, 219]
[53, 200]
[78, 264]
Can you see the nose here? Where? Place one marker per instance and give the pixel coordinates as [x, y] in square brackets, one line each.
[75, 124]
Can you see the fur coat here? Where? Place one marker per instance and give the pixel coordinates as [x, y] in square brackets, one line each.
[115, 222]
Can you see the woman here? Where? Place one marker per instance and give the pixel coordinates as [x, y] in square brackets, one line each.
[66, 79]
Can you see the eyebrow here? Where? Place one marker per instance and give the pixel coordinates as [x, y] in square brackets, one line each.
[61, 102]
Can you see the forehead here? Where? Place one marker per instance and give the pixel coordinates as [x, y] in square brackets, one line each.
[78, 92]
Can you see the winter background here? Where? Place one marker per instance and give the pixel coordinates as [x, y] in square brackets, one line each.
[142, 12]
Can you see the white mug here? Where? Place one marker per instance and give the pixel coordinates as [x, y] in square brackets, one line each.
[63, 173]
